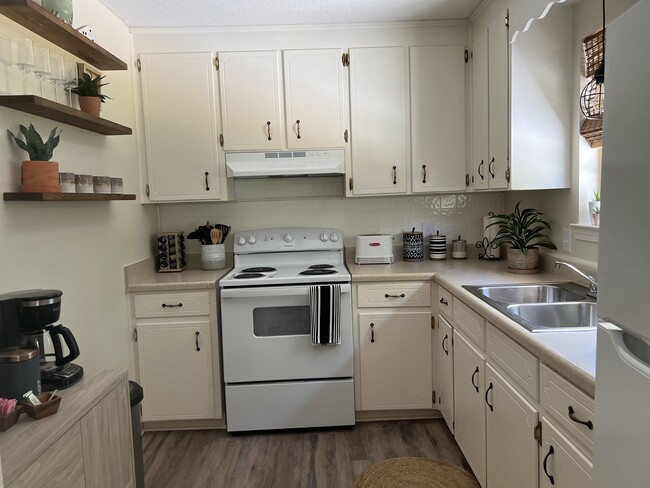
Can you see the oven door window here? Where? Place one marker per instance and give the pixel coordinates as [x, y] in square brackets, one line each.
[281, 321]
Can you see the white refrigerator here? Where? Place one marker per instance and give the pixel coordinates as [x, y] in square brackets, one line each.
[622, 425]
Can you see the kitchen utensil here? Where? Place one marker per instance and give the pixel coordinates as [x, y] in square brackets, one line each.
[215, 236]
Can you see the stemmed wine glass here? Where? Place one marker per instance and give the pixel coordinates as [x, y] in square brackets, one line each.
[6, 59]
[23, 57]
[41, 64]
[57, 74]
[70, 78]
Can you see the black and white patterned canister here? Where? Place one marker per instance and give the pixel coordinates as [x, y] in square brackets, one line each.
[413, 246]
[438, 246]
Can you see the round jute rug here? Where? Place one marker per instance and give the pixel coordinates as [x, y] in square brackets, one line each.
[416, 472]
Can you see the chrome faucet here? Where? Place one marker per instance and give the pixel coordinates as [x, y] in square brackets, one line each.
[593, 286]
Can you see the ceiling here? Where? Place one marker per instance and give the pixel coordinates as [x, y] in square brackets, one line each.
[216, 13]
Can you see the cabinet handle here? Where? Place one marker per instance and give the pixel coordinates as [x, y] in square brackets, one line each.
[490, 168]
[196, 340]
[165, 305]
[424, 173]
[372, 332]
[474, 376]
[394, 175]
[207, 188]
[444, 302]
[479, 170]
[401, 295]
[588, 423]
[548, 454]
[486, 397]
[298, 126]
[268, 129]
[443, 344]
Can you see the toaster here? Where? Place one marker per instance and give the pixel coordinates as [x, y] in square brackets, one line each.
[374, 249]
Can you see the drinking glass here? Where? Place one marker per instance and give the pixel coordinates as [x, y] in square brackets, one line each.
[41, 64]
[70, 78]
[6, 59]
[23, 57]
[57, 73]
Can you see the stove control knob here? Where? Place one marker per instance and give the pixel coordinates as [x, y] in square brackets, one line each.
[251, 239]
[287, 237]
[334, 237]
[324, 237]
[241, 241]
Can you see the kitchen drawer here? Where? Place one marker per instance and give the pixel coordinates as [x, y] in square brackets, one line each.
[470, 322]
[402, 294]
[558, 396]
[176, 304]
[445, 303]
[519, 364]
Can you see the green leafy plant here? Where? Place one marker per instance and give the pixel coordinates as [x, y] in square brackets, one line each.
[597, 196]
[34, 145]
[522, 230]
[87, 86]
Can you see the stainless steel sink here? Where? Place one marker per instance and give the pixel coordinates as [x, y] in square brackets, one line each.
[564, 316]
[544, 293]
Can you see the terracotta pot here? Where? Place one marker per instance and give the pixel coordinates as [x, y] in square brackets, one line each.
[517, 261]
[40, 176]
[90, 105]
[595, 219]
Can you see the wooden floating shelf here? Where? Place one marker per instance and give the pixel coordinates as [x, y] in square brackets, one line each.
[66, 197]
[48, 109]
[40, 21]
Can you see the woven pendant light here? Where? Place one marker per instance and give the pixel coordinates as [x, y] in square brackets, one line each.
[592, 97]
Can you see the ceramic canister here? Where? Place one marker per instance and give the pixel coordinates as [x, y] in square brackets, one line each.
[459, 248]
[438, 246]
[413, 246]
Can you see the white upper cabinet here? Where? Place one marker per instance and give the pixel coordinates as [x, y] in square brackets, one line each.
[379, 121]
[437, 118]
[251, 107]
[181, 139]
[315, 98]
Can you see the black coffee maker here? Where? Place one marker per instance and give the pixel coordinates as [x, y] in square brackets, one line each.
[27, 320]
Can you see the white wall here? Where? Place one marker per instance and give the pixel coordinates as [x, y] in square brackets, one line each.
[80, 247]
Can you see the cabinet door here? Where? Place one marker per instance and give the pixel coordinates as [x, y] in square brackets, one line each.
[437, 118]
[562, 463]
[378, 107]
[480, 114]
[107, 441]
[445, 353]
[180, 125]
[176, 370]
[395, 359]
[469, 406]
[315, 93]
[498, 102]
[250, 100]
[512, 450]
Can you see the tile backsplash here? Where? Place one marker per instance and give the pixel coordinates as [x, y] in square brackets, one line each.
[452, 215]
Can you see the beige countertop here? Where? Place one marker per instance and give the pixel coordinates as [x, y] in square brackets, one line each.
[23, 443]
[571, 354]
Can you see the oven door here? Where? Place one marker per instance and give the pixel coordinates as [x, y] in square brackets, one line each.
[266, 336]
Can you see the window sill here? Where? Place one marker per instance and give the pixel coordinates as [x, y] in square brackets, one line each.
[582, 232]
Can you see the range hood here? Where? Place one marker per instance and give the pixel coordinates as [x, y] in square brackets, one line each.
[285, 163]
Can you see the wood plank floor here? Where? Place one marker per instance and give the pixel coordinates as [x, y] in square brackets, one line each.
[323, 458]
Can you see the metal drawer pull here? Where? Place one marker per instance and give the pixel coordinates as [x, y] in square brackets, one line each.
[479, 170]
[588, 423]
[207, 188]
[164, 305]
[394, 175]
[443, 344]
[394, 296]
[424, 173]
[298, 125]
[486, 397]
[473, 376]
[548, 454]
[444, 302]
[196, 340]
[268, 129]
[490, 168]
[372, 332]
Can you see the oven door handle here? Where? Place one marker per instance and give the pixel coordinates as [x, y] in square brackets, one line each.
[273, 291]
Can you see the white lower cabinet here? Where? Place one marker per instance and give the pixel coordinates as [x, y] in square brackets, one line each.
[445, 354]
[469, 406]
[563, 465]
[395, 360]
[512, 450]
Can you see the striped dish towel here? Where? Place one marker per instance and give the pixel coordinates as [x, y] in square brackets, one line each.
[325, 314]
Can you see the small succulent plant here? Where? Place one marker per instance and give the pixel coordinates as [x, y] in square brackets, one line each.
[34, 145]
[87, 86]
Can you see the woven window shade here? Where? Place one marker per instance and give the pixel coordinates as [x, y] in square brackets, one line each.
[594, 46]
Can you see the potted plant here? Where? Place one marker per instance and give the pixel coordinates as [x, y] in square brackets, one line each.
[39, 174]
[594, 209]
[88, 89]
[523, 232]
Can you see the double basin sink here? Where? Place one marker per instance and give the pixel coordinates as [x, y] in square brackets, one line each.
[542, 307]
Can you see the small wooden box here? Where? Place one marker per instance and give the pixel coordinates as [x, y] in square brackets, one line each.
[8, 421]
[45, 409]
